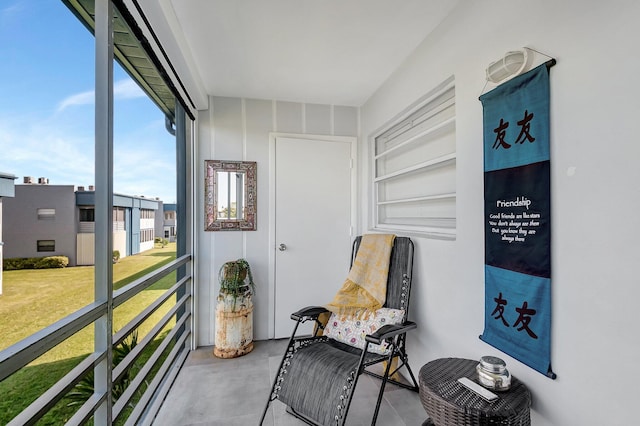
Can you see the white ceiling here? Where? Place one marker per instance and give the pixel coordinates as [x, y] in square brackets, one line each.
[317, 51]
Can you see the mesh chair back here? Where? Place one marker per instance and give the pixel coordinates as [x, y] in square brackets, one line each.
[399, 281]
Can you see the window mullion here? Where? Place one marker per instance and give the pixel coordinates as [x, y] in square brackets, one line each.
[103, 283]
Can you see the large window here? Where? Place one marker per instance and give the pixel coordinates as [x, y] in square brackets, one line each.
[414, 163]
[118, 214]
[146, 235]
[55, 364]
[87, 215]
[146, 214]
[118, 219]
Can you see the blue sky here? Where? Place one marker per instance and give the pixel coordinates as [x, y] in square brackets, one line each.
[47, 107]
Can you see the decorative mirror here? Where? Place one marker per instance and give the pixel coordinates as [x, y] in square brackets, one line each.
[230, 195]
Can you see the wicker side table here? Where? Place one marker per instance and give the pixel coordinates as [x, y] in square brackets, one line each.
[449, 403]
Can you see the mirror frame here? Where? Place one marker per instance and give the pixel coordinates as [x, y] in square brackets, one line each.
[212, 223]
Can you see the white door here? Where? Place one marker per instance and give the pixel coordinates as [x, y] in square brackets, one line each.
[313, 219]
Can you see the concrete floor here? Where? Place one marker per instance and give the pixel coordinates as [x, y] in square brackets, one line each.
[233, 392]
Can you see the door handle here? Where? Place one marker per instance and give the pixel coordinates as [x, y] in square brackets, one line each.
[282, 247]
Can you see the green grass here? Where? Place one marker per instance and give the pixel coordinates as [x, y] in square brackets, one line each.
[34, 299]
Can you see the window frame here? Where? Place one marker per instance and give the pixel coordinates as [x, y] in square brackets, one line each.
[46, 213]
[42, 248]
[87, 214]
[440, 228]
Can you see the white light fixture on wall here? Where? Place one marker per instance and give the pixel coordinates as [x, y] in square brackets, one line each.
[512, 64]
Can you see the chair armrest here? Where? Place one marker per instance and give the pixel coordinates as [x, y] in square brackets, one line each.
[310, 312]
[390, 330]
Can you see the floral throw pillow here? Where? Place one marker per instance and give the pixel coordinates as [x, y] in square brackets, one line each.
[352, 330]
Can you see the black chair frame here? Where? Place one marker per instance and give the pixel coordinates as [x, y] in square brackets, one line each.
[398, 290]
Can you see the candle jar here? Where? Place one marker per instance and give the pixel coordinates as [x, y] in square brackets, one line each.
[493, 374]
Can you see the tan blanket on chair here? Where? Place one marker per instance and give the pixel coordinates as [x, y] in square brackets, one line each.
[365, 288]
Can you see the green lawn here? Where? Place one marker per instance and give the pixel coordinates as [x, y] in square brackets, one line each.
[34, 299]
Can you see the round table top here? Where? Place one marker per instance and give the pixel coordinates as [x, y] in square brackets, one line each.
[448, 402]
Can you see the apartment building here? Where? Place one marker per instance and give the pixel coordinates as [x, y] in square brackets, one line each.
[58, 220]
[7, 189]
[170, 217]
[40, 221]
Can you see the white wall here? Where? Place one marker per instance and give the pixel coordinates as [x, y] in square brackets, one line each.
[238, 129]
[85, 243]
[594, 150]
[120, 243]
[147, 245]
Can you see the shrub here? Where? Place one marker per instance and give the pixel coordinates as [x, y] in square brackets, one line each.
[52, 262]
[84, 389]
[17, 263]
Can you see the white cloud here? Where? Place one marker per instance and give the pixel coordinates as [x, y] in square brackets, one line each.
[8, 11]
[46, 151]
[144, 162]
[84, 98]
[127, 89]
[61, 147]
[122, 89]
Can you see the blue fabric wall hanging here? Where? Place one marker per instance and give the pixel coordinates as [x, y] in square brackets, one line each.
[517, 194]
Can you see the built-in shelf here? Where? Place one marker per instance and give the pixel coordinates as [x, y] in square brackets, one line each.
[418, 199]
[439, 161]
[450, 122]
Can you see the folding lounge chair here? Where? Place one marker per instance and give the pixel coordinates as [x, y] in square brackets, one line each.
[318, 375]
